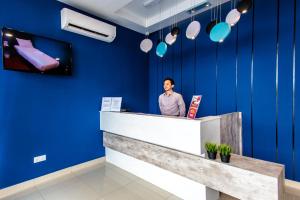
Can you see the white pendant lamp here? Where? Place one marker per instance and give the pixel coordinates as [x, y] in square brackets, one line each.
[194, 27]
[193, 30]
[146, 45]
[233, 17]
[170, 39]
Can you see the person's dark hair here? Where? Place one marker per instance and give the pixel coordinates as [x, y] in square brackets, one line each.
[169, 79]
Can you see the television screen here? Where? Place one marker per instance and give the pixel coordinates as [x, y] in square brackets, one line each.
[31, 53]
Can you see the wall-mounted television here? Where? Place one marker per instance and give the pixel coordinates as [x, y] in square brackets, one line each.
[31, 53]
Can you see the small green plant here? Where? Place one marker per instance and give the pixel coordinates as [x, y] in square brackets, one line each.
[211, 147]
[224, 149]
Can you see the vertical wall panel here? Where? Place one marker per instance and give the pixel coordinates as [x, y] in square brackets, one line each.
[188, 65]
[205, 69]
[244, 63]
[264, 76]
[158, 73]
[285, 85]
[177, 68]
[160, 77]
[297, 95]
[153, 77]
[226, 63]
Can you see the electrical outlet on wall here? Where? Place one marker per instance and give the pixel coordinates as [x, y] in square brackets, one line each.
[39, 159]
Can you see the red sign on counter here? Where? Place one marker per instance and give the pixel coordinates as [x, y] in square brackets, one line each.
[195, 103]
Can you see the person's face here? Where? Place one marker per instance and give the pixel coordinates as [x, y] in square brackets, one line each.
[167, 85]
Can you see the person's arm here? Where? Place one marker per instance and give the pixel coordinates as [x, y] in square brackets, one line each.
[160, 104]
[181, 106]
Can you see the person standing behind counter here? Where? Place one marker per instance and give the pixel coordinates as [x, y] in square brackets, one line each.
[170, 102]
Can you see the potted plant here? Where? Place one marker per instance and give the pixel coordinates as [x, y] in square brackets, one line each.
[225, 152]
[212, 150]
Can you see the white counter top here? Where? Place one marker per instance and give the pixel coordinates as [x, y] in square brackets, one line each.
[173, 132]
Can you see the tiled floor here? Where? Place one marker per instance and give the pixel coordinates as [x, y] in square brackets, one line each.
[104, 182]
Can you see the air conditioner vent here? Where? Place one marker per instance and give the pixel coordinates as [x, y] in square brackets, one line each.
[78, 23]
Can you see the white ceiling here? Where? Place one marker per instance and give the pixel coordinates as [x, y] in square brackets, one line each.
[142, 15]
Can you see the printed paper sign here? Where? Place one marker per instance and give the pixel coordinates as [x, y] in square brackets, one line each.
[195, 103]
[106, 103]
[111, 104]
[116, 103]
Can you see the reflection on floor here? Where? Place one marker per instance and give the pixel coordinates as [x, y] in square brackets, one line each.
[103, 182]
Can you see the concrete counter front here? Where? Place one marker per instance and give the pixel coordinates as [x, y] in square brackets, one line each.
[168, 152]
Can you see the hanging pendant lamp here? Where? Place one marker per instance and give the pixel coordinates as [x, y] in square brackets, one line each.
[210, 25]
[194, 27]
[214, 19]
[233, 17]
[170, 39]
[220, 31]
[244, 5]
[161, 49]
[175, 31]
[146, 45]
[193, 30]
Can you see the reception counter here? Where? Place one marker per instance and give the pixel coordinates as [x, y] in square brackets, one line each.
[169, 152]
[176, 133]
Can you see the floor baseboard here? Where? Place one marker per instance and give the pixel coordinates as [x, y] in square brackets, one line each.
[48, 177]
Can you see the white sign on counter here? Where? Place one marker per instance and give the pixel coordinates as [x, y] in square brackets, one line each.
[116, 103]
[111, 104]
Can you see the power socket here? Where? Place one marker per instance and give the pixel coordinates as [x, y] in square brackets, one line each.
[39, 159]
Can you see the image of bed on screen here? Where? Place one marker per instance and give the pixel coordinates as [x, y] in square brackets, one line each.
[28, 52]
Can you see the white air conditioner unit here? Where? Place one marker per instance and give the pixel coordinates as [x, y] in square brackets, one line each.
[78, 23]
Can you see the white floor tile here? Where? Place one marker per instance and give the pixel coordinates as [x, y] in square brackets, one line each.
[154, 188]
[31, 194]
[174, 198]
[70, 191]
[121, 194]
[104, 182]
[143, 192]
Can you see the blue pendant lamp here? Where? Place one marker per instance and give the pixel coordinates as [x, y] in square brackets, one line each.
[161, 49]
[220, 32]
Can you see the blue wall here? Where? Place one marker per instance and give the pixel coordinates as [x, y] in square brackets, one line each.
[58, 115]
[251, 72]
